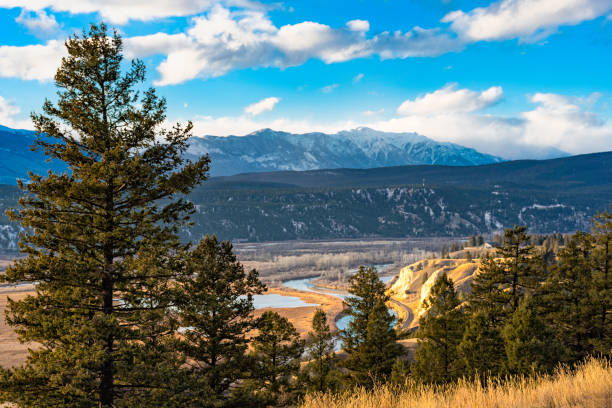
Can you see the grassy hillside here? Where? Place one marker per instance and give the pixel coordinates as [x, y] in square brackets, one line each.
[590, 386]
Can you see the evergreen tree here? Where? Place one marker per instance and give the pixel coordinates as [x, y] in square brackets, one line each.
[277, 350]
[400, 372]
[482, 347]
[437, 358]
[503, 281]
[319, 374]
[215, 301]
[565, 300]
[366, 289]
[101, 240]
[380, 350]
[529, 341]
[370, 339]
[602, 281]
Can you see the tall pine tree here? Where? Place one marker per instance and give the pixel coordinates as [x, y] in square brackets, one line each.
[215, 301]
[319, 373]
[277, 350]
[370, 339]
[564, 301]
[602, 282]
[101, 240]
[437, 359]
[502, 281]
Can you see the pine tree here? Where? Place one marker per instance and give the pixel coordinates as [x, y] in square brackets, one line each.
[503, 281]
[602, 282]
[530, 343]
[366, 289]
[482, 347]
[437, 358]
[277, 350]
[215, 301]
[379, 351]
[565, 300]
[101, 240]
[370, 335]
[400, 372]
[319, 374]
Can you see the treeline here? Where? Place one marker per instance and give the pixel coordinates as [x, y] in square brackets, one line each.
[527, 312]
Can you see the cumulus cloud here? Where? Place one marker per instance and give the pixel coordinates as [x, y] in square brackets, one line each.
[529, 20]
[262, 106]
[33, 62]
[8, 115]
[451, 99]
[556, 121]
[121, 11]
[358, 25]
[38, 23]
[223, 40]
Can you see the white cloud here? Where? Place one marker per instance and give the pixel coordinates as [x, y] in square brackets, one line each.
[245, 124]
[358, 78]
[358, 25]
[329, 88]
[451, 99]
[8, 113]
[262, 106]
[38, 23]
[223, 40]
[529, 20]
[121, 11]
[33, 62]
[556, 121]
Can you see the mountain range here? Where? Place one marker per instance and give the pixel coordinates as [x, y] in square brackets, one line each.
[558, 195]
[360, 148]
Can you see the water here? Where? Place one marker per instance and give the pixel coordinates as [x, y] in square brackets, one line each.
[275, 300]
[307, 285]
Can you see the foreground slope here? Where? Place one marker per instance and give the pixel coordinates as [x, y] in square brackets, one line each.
[590, 385]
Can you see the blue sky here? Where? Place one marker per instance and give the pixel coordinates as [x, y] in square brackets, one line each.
[510, 77]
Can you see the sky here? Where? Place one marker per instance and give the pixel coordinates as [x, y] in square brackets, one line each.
[513, 78]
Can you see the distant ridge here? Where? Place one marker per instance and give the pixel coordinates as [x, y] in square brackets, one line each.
[567, 173]
[269, 150]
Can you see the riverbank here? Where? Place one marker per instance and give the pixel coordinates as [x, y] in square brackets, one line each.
[301, 317]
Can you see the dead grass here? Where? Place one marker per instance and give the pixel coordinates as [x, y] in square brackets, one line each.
[590, 386]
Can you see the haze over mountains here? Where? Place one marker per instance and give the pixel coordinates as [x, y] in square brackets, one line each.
[269, 150]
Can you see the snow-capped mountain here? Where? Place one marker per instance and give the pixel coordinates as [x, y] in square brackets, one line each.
[269, 150]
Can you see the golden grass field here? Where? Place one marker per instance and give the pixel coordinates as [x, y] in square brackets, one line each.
[590, 386]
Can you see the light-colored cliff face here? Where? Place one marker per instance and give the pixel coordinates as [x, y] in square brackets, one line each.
[415, 281]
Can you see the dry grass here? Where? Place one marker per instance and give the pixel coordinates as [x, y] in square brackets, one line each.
[590, 386]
